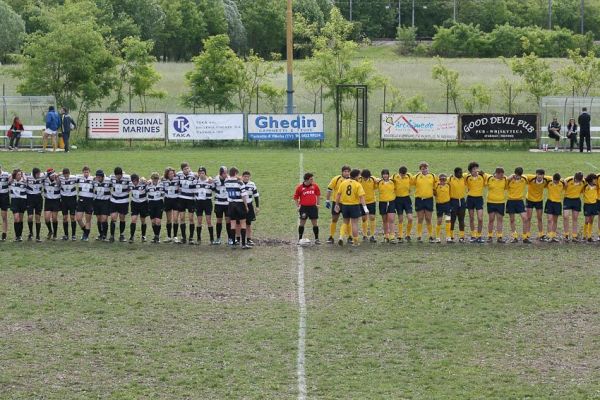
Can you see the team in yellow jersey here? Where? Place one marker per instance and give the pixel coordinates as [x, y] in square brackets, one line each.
[356, 194]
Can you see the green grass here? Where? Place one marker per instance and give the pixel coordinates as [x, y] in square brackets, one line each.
[406, 321]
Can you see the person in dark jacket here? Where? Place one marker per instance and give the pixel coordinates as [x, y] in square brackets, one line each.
[554, 132]
[572, 129]
[584, 121]
[68, 124]
[52, 127]
[15, 133]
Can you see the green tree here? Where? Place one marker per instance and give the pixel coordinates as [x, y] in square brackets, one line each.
[448, 78]
[214, 80]
[264, 21]
[509, 91]
[538, 77]
[137, 72]
[74, 65]
[583, 74]
[235, 27]
[12, 31]
[274, 96]
[480, 98]
[407, 40]
[185, 27]
[255, 75]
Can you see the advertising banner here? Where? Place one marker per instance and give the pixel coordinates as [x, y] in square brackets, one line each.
[285, 127]
[400, 126]
[126, 125]
[499, 126]
[206, 127]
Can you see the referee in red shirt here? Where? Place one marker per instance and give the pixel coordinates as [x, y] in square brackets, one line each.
[307, 197]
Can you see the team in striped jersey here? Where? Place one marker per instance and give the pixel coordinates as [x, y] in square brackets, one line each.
[519, 195]
[111, 198]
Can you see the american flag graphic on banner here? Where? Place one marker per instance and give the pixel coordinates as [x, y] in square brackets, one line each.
[104, 125]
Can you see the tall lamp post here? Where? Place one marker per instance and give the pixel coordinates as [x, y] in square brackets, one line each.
[581, 9]
[290, 59]
[549, 14]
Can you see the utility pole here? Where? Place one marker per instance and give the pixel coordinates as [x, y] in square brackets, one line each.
[290, 59]
[413, 13]
[454, 15]
[400, 13]
[350, 10]
[550, 14]
[581, 15]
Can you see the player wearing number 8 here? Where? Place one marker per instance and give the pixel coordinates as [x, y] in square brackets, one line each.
[349, 199]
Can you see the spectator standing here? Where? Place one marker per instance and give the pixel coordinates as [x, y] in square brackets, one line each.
[52, 127]
[15, 134]
[584, 121]
[68, 124]
[572, 129]
[554, 132]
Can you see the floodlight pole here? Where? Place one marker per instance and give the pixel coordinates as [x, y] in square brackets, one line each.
[581, 9]
[413, 13]
[550, 14]
[399, 13]
[290, 60]
[454, 14]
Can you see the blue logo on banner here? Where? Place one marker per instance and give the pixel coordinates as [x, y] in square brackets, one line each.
[181, 124]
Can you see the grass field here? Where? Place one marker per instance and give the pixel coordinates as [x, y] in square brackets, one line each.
[411, 75]
[82, 320]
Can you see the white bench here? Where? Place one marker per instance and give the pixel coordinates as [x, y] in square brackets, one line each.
[31, 132]
[594, 135]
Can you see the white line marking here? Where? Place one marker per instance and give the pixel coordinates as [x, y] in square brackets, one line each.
[591, 165]
[302, 313]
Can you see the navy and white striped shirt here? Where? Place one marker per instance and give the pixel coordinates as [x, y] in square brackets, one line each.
[171, 188]
[220, 191]
[68, 186]
[187, 185]
[252, 192]
[52, 188]
[102, 189]
[120, 189]
[35, 185]
[138, 192]
[155, 192]
[18, 189]
[4, 177]
[204, 189]
[236, 191]
[86, 186]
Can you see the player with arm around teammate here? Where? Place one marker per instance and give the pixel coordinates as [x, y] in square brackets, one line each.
[18, 201]
[536, 184]
[387, 205]
[139, 206]
[85, 202]
[170, 185]
[574, 186]
[332, 188]
[35, 202]
[515, 205]
[205, 187]
[307, 197]
[349, 199]
[475, 182]
[443, 208]
[102, 191]
[253, 196]
[68, 202]
[119, 201]
[424, 182]
[51, 202]
[187, 201]
[458, 203]
[496, 204]
[553, 207]
[222, 206]
[403, 181]
[4, 201]
[155, 193]
[590, 205]
[369, 184]
[238, 207]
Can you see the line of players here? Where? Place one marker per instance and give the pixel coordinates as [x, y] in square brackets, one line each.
[110, 198]
[518, 195]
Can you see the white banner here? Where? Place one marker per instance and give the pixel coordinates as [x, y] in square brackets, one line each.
[206, 126]
[399, 126]
[285, 127]
[126, 125]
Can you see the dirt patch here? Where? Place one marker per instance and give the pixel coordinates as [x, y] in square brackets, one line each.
[550, 347]
[219, 297]
[7, 329]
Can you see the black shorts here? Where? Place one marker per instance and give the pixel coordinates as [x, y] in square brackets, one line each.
[387, 207]
[590, 209]
[372, 207]
[4, 201]
[188, 205]
[403, 205]
[572, 204]
[101, 207]
[68, 205]
[52, 205]
[18, 206]
[237, 211]
[458, 205]
[85, 205]
[251, 215]
[222, 210]
[497, 208]
[308, 212]
[422, 204]
[171, 204]
[204, 207]
[538, 205]
[119, 208]
[351, 211]
[35, 204]
[155, 209]
[553, 208]
[442, 209]
[140, 209]
[474, 202]
[515, 207]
